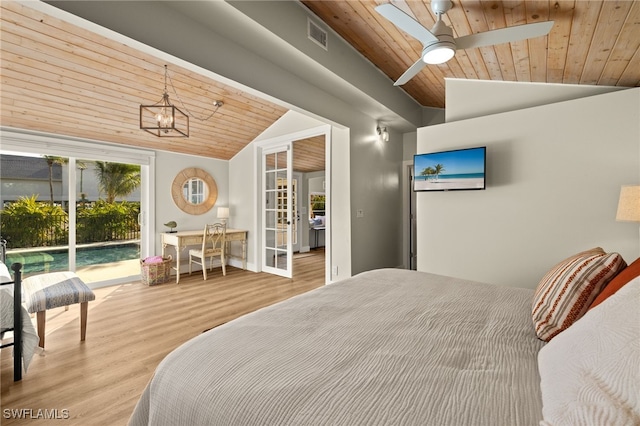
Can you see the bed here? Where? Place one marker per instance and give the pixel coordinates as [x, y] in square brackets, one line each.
[383, 347]
[25, 338]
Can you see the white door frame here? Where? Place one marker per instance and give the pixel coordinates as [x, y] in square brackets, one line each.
[259, 146]
[297, 215]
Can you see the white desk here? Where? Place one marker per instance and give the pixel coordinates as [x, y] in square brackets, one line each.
[182, 239]
[316, 230]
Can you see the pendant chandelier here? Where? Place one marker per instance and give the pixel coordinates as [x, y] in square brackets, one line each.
[164, 119]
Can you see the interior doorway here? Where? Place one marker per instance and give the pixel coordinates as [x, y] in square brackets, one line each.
[309, 151]
[409, 222]
[309, 165]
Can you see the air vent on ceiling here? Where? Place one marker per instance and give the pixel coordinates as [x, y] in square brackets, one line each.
[316, 34]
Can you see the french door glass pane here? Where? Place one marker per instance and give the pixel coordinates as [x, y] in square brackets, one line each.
[281, 162]
[270, 162]
[277, 222]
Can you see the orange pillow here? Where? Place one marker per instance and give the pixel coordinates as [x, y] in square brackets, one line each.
[627, 274]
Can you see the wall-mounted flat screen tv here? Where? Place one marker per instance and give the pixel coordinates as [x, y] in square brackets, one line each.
[460, 169]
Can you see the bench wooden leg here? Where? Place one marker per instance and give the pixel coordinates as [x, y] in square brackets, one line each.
[83, 319]
[42, 318]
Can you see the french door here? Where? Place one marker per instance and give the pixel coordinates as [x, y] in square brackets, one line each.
[277, 210]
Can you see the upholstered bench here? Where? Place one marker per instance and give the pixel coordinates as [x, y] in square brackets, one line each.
[53, 290]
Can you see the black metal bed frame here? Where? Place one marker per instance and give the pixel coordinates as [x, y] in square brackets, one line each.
[17, 313]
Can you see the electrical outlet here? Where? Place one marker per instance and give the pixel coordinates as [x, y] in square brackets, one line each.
[359, 213]
[334, 271]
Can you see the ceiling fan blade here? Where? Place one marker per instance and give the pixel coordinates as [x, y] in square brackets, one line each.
[411, 72]
[403, 6]
[504, 35]
[406, 23]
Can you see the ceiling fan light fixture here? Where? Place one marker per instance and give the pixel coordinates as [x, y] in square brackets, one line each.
[438, 53]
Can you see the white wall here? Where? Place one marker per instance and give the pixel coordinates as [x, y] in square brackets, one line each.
[476, 98]
[168, 165]
[554, 174]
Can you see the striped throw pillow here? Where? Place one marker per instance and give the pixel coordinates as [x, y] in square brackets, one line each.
[565, 293]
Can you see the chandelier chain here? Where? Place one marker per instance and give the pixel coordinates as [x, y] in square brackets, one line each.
[217, 104]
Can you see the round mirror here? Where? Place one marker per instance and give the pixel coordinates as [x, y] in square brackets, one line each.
[194, 191]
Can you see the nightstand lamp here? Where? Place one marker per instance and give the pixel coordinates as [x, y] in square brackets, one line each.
[223, 214]
[629, 204]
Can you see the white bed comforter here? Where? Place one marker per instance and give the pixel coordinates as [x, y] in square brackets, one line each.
[30, 338]
[386, 347]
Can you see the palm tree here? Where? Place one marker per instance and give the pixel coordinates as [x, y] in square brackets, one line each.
[429, 171]
[117, 179]
[51, 160]
[439, 168]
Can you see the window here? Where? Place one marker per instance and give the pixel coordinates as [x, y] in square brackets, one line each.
[316, 204]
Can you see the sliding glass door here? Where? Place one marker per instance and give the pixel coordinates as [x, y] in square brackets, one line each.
[78, 213]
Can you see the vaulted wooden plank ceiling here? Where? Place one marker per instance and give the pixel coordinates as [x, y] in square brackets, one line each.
[591, 42]
[62, 79]
[59, 78]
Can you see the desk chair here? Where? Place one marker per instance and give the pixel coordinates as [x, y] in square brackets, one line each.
[213, 245]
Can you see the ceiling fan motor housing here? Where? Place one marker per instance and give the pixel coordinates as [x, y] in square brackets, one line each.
[441, 7]
[442, 50]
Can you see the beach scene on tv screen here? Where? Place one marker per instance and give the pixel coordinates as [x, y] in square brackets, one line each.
[462, 169]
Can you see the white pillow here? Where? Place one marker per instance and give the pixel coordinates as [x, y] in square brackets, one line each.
[590, 373]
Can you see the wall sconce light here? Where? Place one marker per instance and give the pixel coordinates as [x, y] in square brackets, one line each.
[383, 133]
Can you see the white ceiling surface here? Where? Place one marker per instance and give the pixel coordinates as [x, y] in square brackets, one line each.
[183, 29]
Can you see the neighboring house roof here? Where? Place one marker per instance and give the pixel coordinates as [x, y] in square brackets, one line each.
[35, 168]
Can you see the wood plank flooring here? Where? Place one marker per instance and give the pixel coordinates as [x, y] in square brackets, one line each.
[130, 329]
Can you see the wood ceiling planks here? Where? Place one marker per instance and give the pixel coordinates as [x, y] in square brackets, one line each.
[591, 42]
[62, 79]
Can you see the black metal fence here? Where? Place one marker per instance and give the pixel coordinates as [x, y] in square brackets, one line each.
[25, 230]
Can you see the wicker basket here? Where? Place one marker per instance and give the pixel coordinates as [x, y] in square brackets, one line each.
[155, 273]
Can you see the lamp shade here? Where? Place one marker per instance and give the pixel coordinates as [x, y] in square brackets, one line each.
[223, 212]
[629, 204]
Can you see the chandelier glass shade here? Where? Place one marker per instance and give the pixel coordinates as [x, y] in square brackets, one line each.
[163, 119]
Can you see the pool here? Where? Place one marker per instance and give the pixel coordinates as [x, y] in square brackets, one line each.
[58, 259]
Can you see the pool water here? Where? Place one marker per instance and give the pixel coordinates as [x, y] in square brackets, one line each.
[58, 260]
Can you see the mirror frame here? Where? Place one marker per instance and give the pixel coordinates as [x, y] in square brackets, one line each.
[178, 197]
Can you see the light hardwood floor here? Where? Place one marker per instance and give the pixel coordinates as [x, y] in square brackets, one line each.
[130, 329]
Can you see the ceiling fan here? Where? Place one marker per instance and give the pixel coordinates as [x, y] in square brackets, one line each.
[438, 45]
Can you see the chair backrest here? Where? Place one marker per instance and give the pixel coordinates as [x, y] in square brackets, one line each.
[214, 237]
